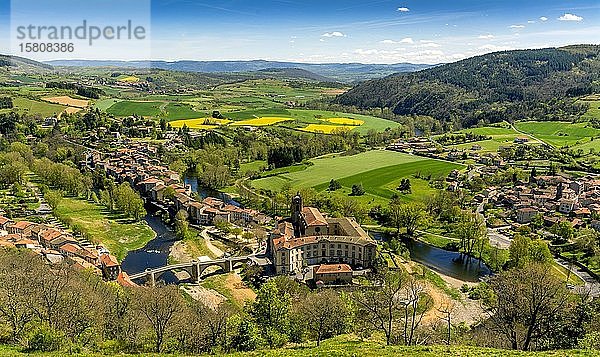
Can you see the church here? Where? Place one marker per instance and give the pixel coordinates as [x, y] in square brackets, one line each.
[309, 237]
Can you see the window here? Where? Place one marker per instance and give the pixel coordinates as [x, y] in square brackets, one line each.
[353, 247]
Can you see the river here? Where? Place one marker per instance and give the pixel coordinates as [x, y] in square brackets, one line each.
[444, 261]
[155, 253]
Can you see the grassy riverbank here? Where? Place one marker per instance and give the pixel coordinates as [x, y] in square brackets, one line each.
[118, 233]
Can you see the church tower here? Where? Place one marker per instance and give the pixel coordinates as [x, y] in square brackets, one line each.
[296, 211]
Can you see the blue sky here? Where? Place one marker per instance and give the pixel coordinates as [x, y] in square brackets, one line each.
[353, 31]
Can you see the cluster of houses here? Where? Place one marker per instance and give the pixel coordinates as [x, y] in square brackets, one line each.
[163, 187]
[332, 246]
[555, 198]
[425, 147]
[56, 246]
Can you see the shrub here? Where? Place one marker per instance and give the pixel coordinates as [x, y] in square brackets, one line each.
[44, 339]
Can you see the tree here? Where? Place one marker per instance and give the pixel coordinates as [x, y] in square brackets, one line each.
[357, 190]
[396, 309]
[404, 185]
[182, 225]
[334, 185]
[53, 199]
[471, 231]
[410, 215]
[324, 313]
[159, 307]
[563, 230]
[526, 304]
[270, 310]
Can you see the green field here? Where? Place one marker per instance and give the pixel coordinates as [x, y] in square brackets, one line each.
[45, 109]
[500, 136]
[379, 172]
[117, 233]
[127, 108]
[559, 133]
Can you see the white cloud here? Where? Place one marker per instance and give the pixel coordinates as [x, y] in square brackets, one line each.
[388, 42]
[486, 37]
[494, 48]
[429, 44]
[333, 34]
[570, 17]
[543, 18]
[403, 9]
[407, 40]
[531, 22]
[517, 26]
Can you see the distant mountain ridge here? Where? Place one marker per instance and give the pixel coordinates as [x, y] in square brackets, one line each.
[345, 72]
[509, 85]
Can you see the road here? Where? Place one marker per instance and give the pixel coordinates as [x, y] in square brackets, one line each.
[498, 239]
[591, 284]
[214, 250]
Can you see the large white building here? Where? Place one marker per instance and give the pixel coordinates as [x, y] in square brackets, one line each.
[310, 238]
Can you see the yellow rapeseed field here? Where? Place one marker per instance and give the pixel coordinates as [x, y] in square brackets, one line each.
[326, 129]
[262, 121]
[129, 79]
[199, 123]
[66, 100]
[344, 121]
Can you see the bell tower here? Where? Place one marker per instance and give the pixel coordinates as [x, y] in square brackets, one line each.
[296, 211]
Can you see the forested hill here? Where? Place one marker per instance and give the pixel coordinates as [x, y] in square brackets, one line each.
[511, 85]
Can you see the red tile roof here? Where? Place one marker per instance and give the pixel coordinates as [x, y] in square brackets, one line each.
[108, 260]
[22, 224]
[333, 269]
[313, 217]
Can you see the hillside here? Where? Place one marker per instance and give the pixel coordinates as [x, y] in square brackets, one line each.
[493, 87]
[345, 72]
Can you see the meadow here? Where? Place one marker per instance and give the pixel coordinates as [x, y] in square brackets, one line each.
[559, 134]
[379, 171]
[119, 234]
[29, 106]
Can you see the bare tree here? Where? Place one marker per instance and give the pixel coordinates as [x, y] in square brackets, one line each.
[446, 310]
[526, 305]
[158, 306]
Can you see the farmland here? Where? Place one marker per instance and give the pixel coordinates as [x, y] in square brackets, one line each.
[262, 121]
[68, 101]
[559, 134]
[199, 123]
[327, 129]
[378, 171]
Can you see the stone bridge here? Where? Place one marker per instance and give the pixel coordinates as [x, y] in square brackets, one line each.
[194, 268]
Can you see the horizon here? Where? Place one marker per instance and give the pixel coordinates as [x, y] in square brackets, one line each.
[375, 32]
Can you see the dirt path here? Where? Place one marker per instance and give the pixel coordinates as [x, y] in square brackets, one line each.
[214, 250]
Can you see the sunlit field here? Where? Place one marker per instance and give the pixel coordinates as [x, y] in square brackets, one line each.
[262, 121]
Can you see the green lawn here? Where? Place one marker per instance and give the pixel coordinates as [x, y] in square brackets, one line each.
[500, 136]
[559, 133]
[379, 171]
[118, 234]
